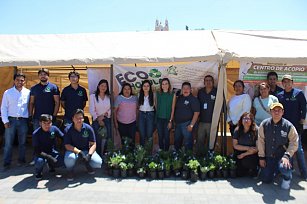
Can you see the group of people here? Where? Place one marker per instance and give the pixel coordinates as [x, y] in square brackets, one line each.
[267, 129]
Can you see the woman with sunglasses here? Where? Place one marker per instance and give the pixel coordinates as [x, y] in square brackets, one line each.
[244, 143]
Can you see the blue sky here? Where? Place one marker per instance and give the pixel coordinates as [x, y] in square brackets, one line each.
[86, 16]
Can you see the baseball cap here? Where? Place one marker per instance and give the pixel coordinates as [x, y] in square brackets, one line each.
[274, 105]
[287, 76]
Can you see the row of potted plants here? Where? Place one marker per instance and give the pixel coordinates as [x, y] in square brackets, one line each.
[130, 161]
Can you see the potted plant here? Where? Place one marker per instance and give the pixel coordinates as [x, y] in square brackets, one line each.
[130, 167]
[193, 165]
[177, 166]
[152, 166]
[225, 168]
[212, 169]
[185, 172]
[115, 160]
[141, 172]
[123, 169]
[232, 168]
[160, 169]
[219, 160]
[168, 165]
[139, 156]
[203, 172]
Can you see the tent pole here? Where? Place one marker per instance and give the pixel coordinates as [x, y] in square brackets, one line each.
[112, 101]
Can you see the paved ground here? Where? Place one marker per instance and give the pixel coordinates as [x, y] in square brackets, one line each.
[18, 185]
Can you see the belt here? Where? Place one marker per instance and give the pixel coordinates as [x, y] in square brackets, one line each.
[16, 118]
[147, 111]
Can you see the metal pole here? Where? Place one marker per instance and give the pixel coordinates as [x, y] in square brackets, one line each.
[112, 100]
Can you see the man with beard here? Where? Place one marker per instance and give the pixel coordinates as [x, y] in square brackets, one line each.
[44, 99]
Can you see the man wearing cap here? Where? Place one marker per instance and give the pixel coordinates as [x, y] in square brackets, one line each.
[294, 103]
[73, 97]
[277, 142]
[272, 79]
[14, 110]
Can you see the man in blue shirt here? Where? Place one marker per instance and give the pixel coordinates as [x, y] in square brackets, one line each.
[294, 103]
[15, 113]
[272, 79]
[73, 97]
[206, 97]
[80, 143]
[44, 143]
[45, 98]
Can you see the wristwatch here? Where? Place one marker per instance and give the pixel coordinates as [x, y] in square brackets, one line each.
[191, 125]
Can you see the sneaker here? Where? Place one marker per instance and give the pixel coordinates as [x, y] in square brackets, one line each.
[285, 184]
[89, 169]
[38, 176]
[70, 176]
[32, 163]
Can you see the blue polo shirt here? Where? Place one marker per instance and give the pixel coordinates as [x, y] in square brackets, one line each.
[74, 99]
[44, 101]
[79, 139]
[185, 108]
[45, 141]
[207, 101]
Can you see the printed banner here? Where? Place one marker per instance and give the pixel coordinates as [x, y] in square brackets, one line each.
[193, 73]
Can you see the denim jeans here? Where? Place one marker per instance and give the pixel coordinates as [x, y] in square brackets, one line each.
[71, 158]
[127, 130]
[40, 162]
[273, 165]
[181, 132]
[146, 125]
[163, 133]
[95, 125]
[203, 138]
[21, 127]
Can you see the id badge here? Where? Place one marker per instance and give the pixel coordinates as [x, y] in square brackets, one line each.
[205, 106]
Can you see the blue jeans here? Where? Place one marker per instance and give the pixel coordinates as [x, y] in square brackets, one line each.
[146, 125]
[21, 127]
[71, 158]
[95, 125]
[181, 132]
[163, 133]
[40, 162]
[273, 165]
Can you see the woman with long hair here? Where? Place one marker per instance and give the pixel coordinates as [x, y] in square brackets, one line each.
[165, 106]
[125, 112]
[146, 112]
[244, 143]
[100, 109]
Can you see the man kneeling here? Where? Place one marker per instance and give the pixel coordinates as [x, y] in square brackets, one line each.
[80, 143]
[277, 142]
[44, 143]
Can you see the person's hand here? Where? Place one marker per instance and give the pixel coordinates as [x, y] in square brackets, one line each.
[286, 163]
[101, 123]
[49, 157]
[262, 163]
[7, 125]
[252, 150]
[169, 125]
[190, 128]
[85, 157]
[241, 156]
[302, 121]
[116, 125]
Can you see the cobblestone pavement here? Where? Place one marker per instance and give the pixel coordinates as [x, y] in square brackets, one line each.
[18, 185]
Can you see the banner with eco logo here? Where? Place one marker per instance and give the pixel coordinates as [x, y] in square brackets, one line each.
[193, 73]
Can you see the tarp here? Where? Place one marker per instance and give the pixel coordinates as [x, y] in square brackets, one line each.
[107, 48]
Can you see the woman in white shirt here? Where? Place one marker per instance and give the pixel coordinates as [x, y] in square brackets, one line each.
[263, 102]
[146, 112]
[100, 109]
[237, 105]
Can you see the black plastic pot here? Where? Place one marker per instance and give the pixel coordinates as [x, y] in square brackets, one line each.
[225, 173]
[161, 174]
[177, 172]
[116, 173]
[211, 174]
[110, 171]
[130, 172]
[123, 173]
[219, 173]
[153, 174]
[194, 176]
[167, 173]
[203, 176]
[184, 174]
[141, 175]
